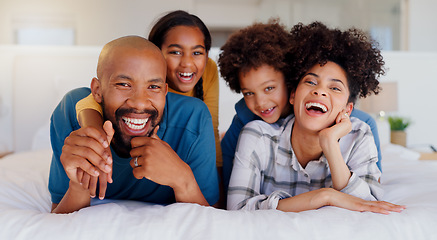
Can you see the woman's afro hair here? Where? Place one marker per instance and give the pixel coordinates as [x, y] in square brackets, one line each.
[352, 49]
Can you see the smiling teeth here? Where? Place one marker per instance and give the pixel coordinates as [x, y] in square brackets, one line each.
[135, 123]
[270, 109]
[318, 105]
[186, 74]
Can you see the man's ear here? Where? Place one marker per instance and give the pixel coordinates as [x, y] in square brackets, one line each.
[166, 88]
[349, 108]
[96, 90]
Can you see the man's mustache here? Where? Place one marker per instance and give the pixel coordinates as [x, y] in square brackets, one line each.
[123, 111]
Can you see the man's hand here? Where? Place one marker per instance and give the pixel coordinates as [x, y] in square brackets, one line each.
[158, 162]
[83, 151]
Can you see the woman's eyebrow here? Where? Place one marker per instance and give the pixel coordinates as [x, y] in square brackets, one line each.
[338, 80]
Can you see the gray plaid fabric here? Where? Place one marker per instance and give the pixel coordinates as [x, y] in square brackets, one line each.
[267, 170]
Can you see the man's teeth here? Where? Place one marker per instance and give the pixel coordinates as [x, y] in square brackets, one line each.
[317, 105]
[135, 123]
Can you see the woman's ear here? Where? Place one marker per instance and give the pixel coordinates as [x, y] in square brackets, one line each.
[96, 90]
[349, 108]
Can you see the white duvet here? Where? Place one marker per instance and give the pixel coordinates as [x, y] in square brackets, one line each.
[25, 206]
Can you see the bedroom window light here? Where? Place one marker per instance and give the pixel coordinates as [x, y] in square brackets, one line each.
[45, 36]
[44, 29]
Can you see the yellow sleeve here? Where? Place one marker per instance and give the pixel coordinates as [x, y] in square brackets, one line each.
[88, 103]
[211, 99]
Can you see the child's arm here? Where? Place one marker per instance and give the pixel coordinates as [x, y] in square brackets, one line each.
[74, 199]
[89, 114]
[328, 139]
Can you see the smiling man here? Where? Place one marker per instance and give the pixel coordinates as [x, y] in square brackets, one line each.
[161, 149]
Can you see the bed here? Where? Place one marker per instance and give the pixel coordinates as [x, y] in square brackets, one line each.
[25, 206]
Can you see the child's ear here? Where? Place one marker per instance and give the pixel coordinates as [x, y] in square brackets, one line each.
[96, 90]
[349, 108]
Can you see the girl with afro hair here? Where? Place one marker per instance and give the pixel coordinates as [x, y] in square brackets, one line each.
[319, 155]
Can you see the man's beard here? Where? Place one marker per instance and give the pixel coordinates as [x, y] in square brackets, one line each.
[122, 143]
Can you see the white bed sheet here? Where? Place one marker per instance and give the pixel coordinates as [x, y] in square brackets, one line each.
[25, 205]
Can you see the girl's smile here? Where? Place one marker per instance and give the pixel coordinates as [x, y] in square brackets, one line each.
[186, 56]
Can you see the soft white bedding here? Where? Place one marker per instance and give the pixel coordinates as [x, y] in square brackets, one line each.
[25, 205]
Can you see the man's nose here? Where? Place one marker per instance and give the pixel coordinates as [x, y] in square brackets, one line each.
[139, 99]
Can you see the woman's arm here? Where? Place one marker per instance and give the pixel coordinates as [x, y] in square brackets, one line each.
[331, 197]
[328, 139]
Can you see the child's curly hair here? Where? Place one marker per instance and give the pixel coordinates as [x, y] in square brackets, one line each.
[252, 47]
[352, 49]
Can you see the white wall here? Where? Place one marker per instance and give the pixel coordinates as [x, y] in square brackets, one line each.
[99, 21]
[422, 35]
[416, 75]
[33, 80]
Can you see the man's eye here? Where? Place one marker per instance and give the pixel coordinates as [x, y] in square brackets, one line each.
[247, 94]
[197, 53]
[154, 87]
[123, 84]
[336, 89]
[268, 89]
[175, 52]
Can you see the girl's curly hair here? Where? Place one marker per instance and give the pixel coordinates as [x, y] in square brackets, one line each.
[352, 49]
[252, 47]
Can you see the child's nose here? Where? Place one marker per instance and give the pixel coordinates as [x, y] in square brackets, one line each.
[259, 101]
[187, 60]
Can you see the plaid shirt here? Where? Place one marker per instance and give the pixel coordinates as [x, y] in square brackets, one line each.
[267, 170]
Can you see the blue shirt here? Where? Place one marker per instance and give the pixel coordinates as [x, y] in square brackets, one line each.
[186, 126]
[244, 115]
